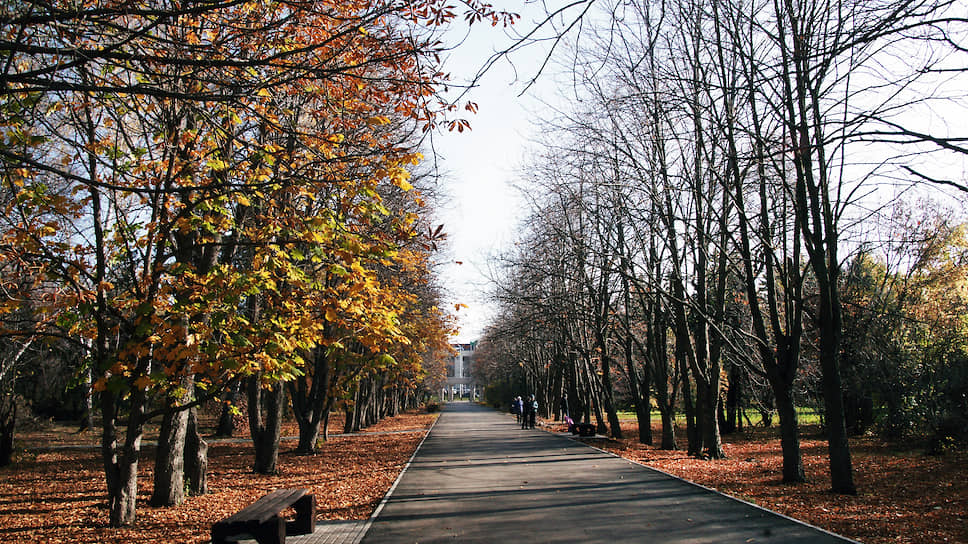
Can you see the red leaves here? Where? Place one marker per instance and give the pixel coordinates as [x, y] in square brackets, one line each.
[459, 125]
[433, 237]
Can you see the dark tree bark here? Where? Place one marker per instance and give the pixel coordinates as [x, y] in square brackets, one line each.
[694, 447]
[121, 462]
[613, 422]
[351, 415]
[638, 389]
[730, 415]
[640, 396]
[841, 469]
[169, 473]
[196, 457]
[226, 419]
[665, 389]
[265, 407]
[310, 394]
[8, 420]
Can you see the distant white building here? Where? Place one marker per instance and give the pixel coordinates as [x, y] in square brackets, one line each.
[460, 382]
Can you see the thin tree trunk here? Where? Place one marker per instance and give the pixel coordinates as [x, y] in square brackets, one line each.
[613, 422]
[643, 414]
[89, 398]
[692, 438]
[121, 464]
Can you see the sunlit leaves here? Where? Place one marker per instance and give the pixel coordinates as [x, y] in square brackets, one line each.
[205, 194]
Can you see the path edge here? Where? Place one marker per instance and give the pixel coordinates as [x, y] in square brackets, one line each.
[386, 497]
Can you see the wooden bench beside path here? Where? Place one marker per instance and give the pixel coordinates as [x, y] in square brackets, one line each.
[261, 519]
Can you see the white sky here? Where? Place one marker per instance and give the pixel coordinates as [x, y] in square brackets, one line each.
[480, 165]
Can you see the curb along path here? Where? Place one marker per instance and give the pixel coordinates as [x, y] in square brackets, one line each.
[479, 478]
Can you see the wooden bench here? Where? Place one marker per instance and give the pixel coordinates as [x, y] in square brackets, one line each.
[261, 519]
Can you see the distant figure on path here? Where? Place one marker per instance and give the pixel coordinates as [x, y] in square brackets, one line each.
[530, 413]
[516, 407]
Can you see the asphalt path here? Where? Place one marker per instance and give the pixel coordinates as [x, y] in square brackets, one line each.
[478, 477]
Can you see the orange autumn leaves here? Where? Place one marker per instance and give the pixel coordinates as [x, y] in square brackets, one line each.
[205, 193]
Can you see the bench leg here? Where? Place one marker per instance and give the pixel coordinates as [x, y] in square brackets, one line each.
[305, 522]
[272, 531]
[219, 534]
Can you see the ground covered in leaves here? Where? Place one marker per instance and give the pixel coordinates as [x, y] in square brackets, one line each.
[56, 494]
[904, 495]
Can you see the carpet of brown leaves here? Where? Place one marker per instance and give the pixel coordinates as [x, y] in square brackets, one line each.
[904, 496]
[57, 495]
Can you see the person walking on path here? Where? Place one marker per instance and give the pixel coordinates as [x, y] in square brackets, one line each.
[530, 413]
[516, 408]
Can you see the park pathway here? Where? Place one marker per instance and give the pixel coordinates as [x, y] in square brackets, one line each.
[479, 478]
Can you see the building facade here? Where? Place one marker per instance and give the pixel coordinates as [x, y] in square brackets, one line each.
[460, 376]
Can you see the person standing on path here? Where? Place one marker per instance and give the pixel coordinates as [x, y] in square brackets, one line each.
[530, 413]
[525, 412]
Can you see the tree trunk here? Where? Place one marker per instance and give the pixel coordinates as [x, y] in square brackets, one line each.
[8, 420]
[394, 408]
[789, 434]
[668, 428]
[665, 399]
[88, 400]
[692, 436]
[169, 474]
[639, 390]
[265, 424]
[838, 447]
[122, 506]
[728, 423]
[595, 403]
[226, 419]
[712, 444]
[196, 457]
[109, 448]
[576, 405]
[350, 417]
[324, 417]
[308, 435]
[613, 422]
[310, 394]
[121, 464]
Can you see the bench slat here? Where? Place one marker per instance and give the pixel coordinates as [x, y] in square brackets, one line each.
[262, 520]
[265, 508]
